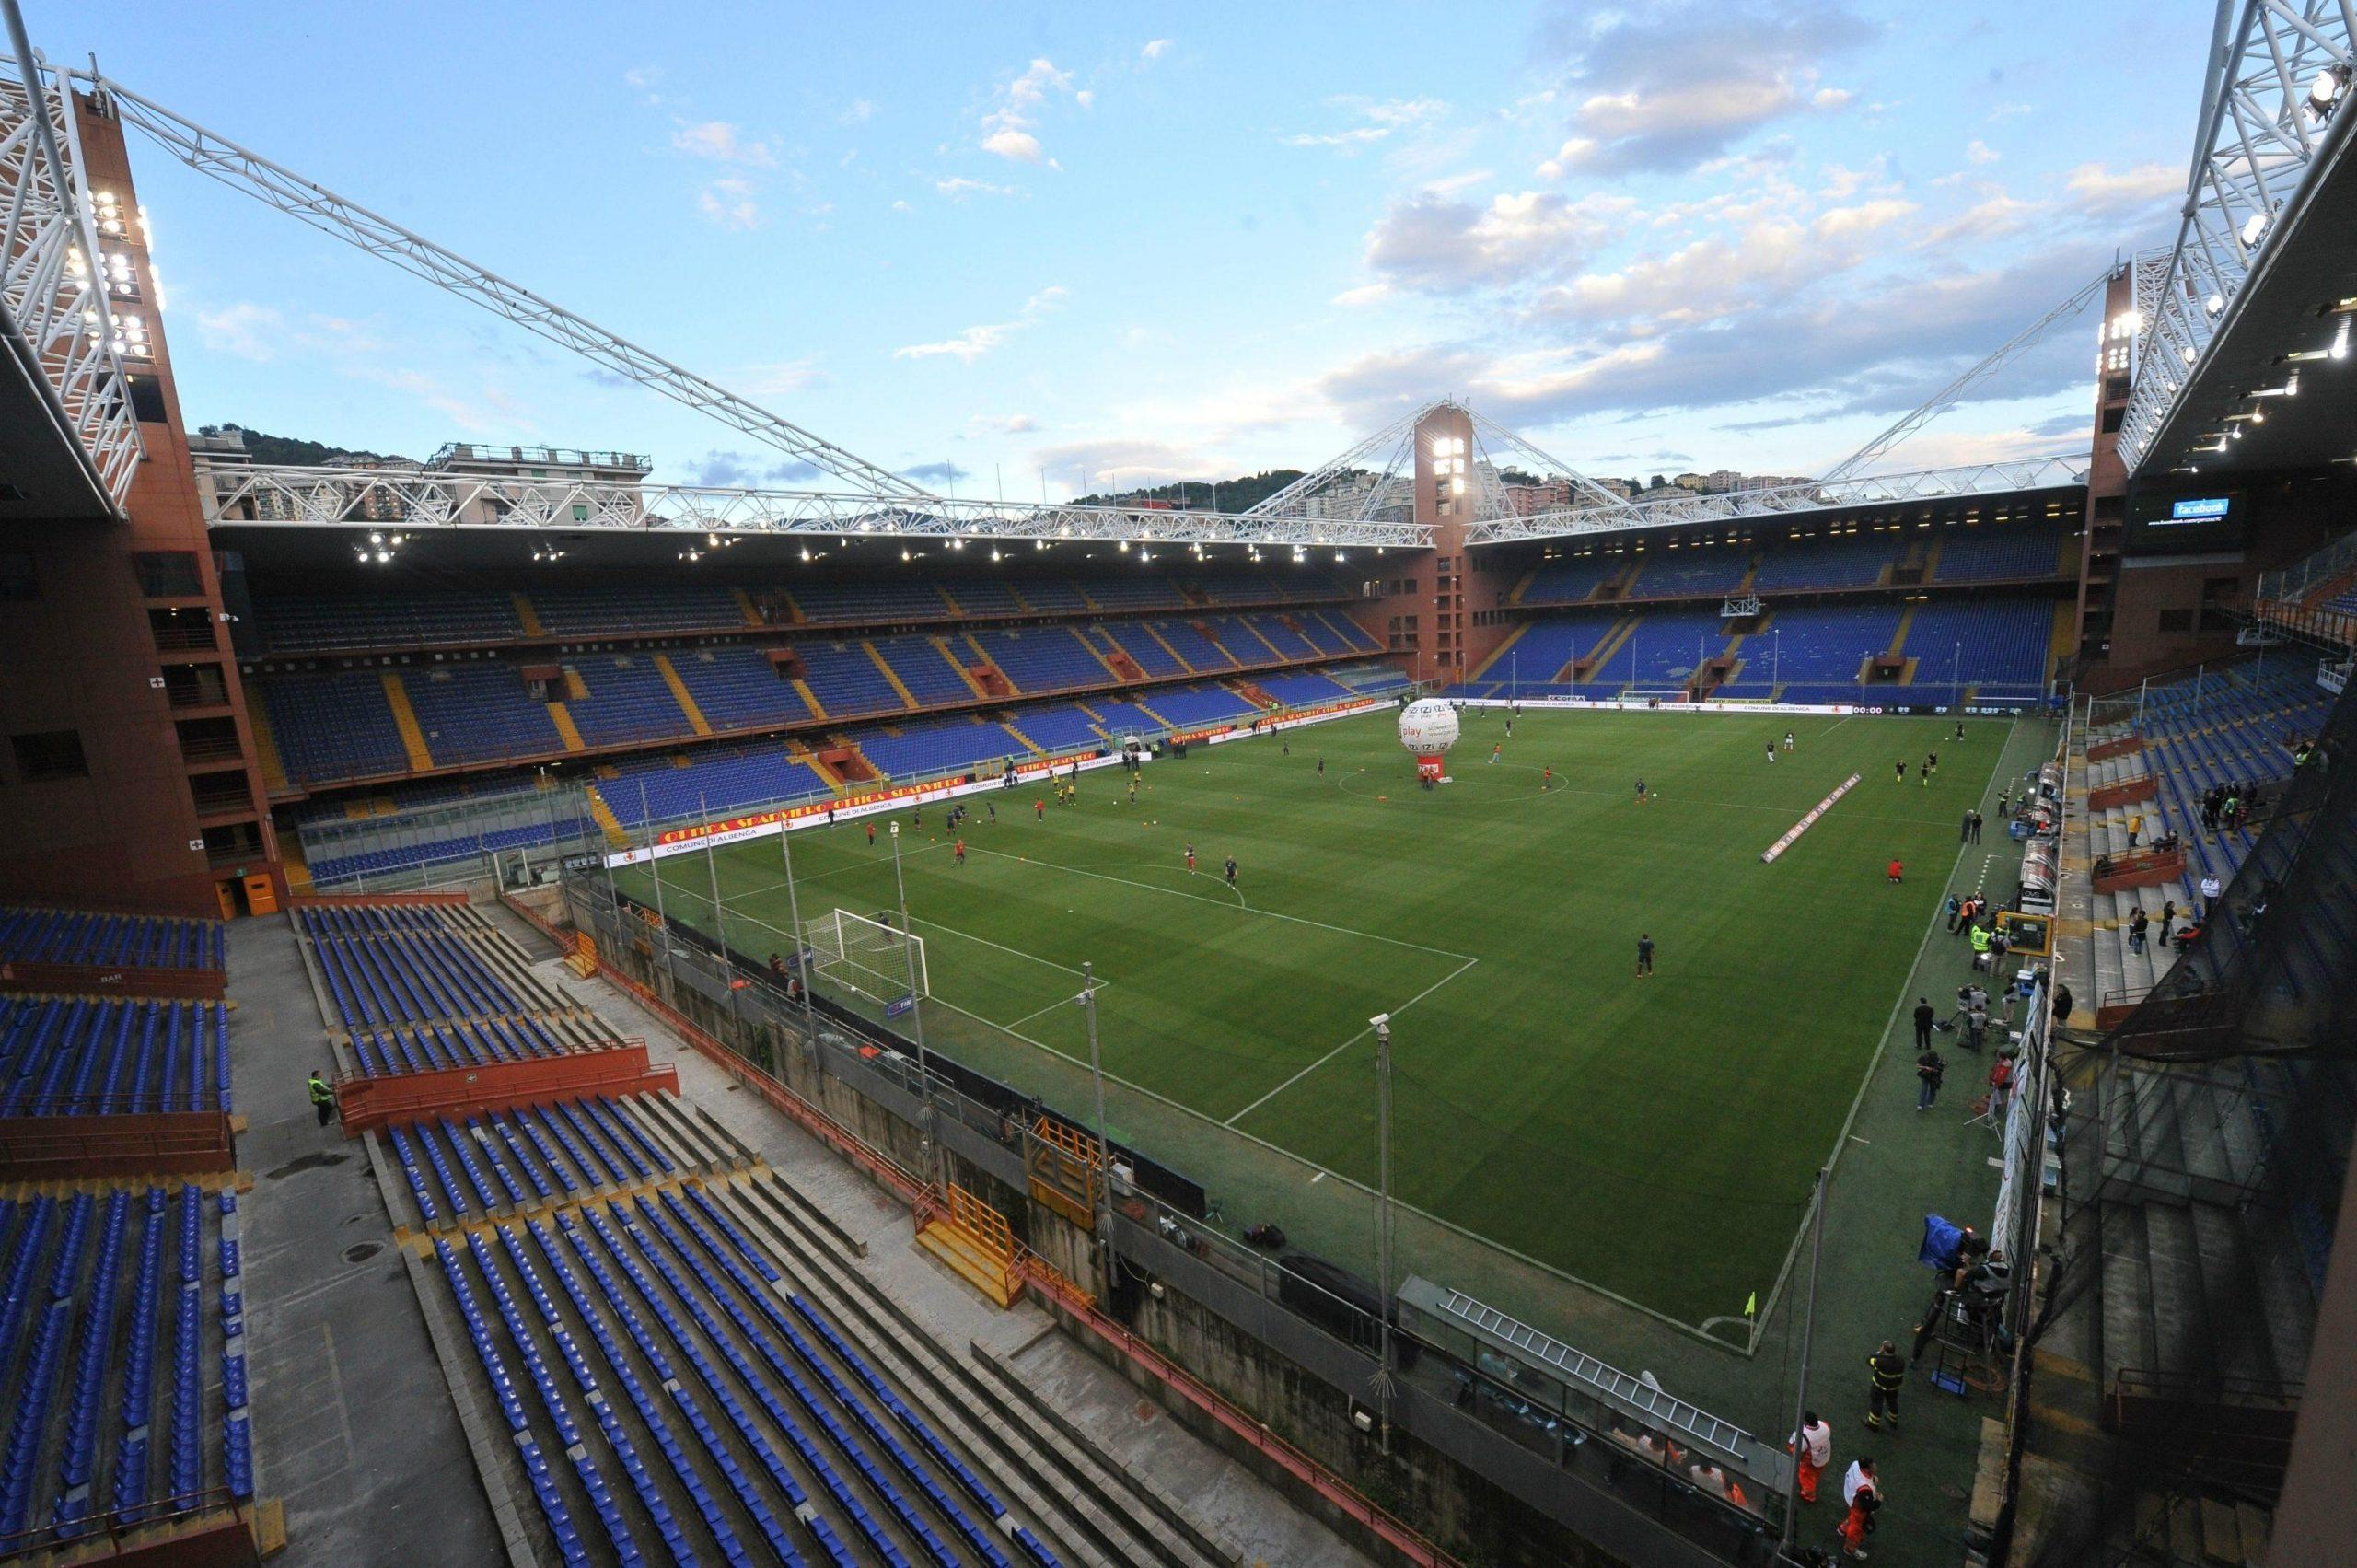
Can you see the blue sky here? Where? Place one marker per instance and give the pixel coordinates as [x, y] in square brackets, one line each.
[1048, 246]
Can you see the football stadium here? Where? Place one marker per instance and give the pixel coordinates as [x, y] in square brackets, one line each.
[1420, 1003]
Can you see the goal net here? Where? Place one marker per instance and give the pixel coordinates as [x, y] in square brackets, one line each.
[871, 956]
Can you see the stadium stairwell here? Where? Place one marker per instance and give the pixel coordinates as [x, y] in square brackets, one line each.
[1254, 632]
[681, 694]
[1511, 638]
[891, 676]
[1008, 725]
[1932, 561]
[1522, 587]
[273, 766]
[956, 609]
[1098, 654]
[567, 731]
[1148, 627]
[1252, 693]
[1117, 660]
[809, 698]
[606, 819]
[1601, 654]
[792, 608]
[995, 682]
[2064, 638]
[745, 606]
[815, 763]
[405, 720]
[954, 662]
[1898, 643]
[527, 617]
[1082, 589]
[1152, 714]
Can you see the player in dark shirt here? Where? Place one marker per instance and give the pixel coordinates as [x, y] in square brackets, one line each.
[1231, 871]
[1644, 955]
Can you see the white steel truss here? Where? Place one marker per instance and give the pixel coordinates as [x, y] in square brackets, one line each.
[1376, 477]
[1793, 500]
[2279, 70]
[276, 186]
[1952, 394]
[52, 281]
[417, 500]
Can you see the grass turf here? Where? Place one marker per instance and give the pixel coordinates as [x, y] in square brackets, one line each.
[1653, 1137]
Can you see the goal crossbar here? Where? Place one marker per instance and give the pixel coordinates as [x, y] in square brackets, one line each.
[869, 954]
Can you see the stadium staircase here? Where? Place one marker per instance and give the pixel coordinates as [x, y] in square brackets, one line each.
[1253, 693]
[891, 676]
[670, 1351]
[745, 606]
[405, 721]
[604, 816]
[567, 731]
[802, 753]
[950, 658]
[681, 694]
[1601, 654]
[981, 673]
[1150, 631]
[845, 762]
[527, 617]
[273, 767]
[1007, 724]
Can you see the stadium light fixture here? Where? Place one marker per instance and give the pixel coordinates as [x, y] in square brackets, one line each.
[2253, 227]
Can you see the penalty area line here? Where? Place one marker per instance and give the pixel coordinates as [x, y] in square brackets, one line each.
[1338, 1050]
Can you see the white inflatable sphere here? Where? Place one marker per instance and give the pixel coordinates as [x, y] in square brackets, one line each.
[1428, 726]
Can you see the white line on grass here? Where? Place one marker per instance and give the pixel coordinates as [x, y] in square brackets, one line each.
[1338, 1050]
[1265, 915]
[1882, 1044]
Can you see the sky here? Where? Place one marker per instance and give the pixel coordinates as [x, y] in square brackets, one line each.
[1037, 250]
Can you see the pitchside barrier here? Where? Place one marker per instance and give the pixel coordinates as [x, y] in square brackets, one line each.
[1312, 1290]
[1679, 703]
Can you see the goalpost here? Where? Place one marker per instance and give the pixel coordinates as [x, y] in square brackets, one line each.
[871, 956]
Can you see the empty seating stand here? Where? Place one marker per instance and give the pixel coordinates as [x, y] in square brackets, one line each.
[88, 1056]
[133, 941]
[123, 1358]
[414, 987]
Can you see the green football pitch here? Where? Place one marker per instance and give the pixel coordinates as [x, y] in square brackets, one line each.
[1653, 1137]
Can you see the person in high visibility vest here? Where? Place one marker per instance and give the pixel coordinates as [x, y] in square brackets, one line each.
[1812, 1451]
[1980, 944]
[322, 1096]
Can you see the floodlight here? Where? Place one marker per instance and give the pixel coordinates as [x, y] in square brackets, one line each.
[2253, 227]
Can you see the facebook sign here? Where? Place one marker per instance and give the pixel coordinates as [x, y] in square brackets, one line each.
[2200, 510]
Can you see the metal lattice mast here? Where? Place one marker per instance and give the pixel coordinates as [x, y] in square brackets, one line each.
[274, 185]
[2279, 72]
[1952, 394]
[1392, 440]
[53, 274]
[1592, 494]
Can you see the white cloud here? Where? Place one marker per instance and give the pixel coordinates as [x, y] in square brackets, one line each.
[785, 376]
[975, 341]
[1977, 152]
[902, 207]
[1019, 146]
[1156, 48]
[1007, 128]
[957, 187]
[1358, 136]
[1439, 245]
[722, 142]
[2146, 181]
[858, 114]
[1679, 82]
[730, 202]
[1002, 424]
[245, 330]
[642, 80]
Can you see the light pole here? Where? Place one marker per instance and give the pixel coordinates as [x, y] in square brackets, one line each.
[794, 913]
[916, 1008]
[1809, 1334]
[1104, 1146]
[1775, 657]
[1955, 686]
[1382, 1379]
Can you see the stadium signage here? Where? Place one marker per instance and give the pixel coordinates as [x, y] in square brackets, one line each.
[1805, 823]
[1221, 733]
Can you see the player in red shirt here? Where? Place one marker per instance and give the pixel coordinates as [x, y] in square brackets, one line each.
[1190, 857]
[961, 852]
[1897, 872]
